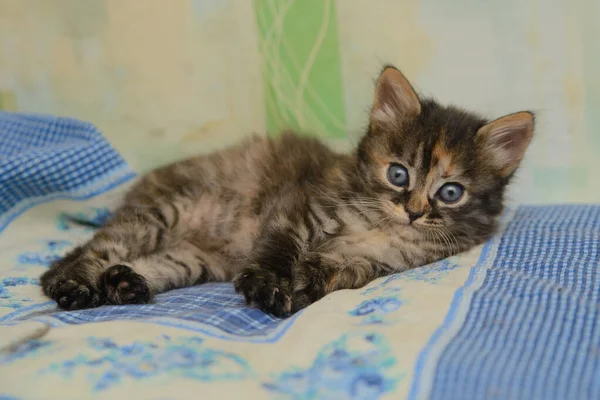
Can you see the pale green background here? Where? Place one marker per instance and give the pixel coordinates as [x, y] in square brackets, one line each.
[165, 79]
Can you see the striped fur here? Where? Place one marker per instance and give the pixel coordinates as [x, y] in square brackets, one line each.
[289, 220]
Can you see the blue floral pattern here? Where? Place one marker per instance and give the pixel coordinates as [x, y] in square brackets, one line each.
[356, 366]
[432, 273]
[109, 363]
[377, 310]
[8, 298]
[51, 250]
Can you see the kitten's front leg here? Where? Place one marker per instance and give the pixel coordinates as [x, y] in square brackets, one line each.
[295, 284]
[318, 274]
[347, 262]
[288, 274]
[267, 280]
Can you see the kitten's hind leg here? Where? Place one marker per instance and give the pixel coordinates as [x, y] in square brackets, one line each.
[181, 266]
[134, 232]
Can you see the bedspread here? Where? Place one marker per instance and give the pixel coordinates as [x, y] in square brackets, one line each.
[515, 318]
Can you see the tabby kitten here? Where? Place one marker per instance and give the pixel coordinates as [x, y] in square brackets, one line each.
[289, 221]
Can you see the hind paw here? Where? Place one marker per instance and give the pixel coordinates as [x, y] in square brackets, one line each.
[122, 285]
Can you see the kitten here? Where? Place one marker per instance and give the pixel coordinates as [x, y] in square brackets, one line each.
[289, 220]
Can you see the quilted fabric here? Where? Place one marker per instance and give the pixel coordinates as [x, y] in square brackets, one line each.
[516, 318]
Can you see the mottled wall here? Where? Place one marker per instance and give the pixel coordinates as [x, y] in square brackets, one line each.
[164, 79]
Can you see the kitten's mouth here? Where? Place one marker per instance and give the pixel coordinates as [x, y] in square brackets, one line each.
[424, 225]
[405, 222]
[401, 217]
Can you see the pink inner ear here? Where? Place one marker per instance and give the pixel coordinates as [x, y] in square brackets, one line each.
[512, 138]
[387, 94]
[394, 97]
[506, 140]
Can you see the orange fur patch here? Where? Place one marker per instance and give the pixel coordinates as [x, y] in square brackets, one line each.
[418, 202]
[443, 159]
[333, 283]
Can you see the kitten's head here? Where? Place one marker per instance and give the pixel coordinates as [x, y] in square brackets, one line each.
[437, 167]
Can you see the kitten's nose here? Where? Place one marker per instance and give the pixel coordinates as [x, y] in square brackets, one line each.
[413, 215]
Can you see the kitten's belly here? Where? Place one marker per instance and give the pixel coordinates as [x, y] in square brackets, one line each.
[241, 240]
[219, 228]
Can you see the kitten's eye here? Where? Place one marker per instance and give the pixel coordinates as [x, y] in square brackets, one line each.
[397, 175]
[450, 192]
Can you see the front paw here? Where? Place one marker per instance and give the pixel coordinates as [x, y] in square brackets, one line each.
[312, 278]
[122, 285]
[265, 290]
[72, 292]
[317, 275]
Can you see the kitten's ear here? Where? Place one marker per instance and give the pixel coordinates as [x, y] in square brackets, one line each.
[505, 140]
[395, 100]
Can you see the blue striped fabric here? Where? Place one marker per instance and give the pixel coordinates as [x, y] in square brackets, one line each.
[532, 330]
[44, 156]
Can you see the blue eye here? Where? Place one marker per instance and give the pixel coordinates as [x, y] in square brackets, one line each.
[397, 175]
[450, 193]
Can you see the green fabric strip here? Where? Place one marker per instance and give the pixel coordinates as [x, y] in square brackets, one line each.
[300, 52]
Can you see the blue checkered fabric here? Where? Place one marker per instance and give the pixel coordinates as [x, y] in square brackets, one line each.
[44, 155]
[532, 330]
[212, 304]
[213, 308]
